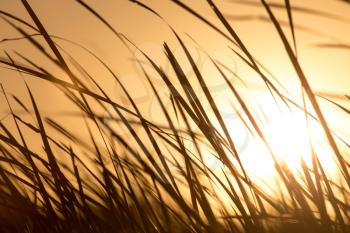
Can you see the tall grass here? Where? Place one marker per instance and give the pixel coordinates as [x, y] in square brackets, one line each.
[134, 174]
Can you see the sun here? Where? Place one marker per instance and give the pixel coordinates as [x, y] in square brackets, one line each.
[292, 138]
[288, 135]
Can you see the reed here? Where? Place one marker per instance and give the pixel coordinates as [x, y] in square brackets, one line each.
[134, 174]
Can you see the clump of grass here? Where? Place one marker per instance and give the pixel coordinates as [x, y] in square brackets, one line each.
[136, 175]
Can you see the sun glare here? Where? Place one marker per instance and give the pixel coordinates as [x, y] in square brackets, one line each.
[287, 135]
[291, 137]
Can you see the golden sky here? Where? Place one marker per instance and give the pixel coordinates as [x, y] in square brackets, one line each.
[325, 68]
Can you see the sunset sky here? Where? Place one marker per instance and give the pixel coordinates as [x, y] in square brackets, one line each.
[175, 116]
[324, 67]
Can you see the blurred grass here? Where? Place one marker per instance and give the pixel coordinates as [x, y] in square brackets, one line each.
[136, 175]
